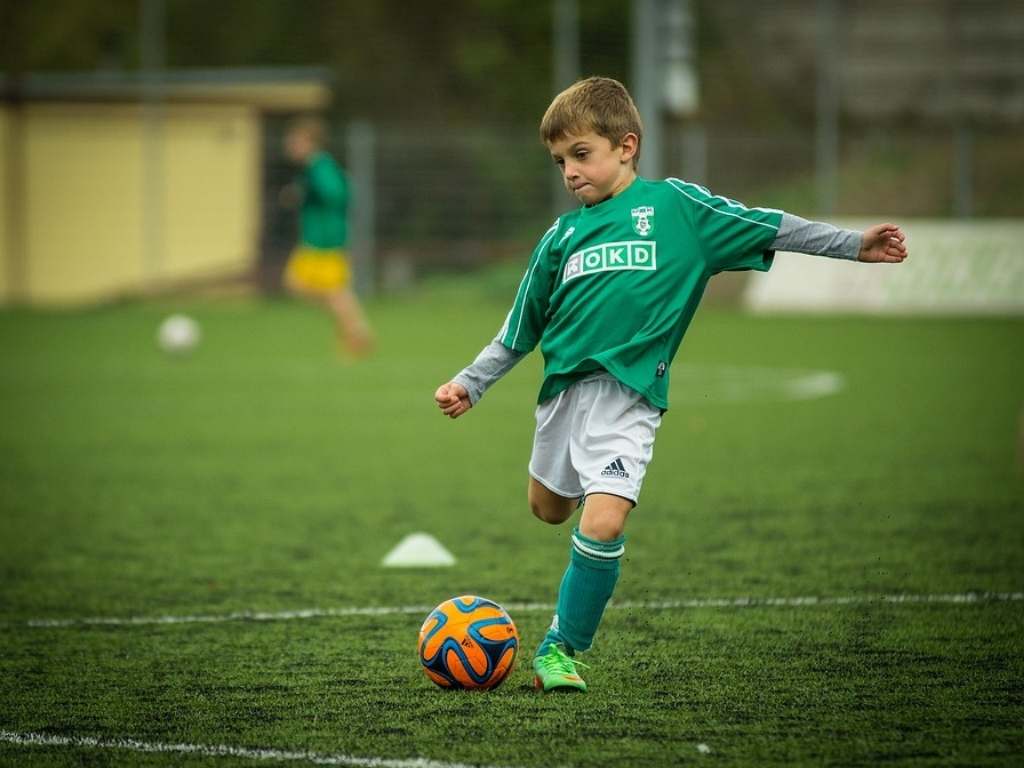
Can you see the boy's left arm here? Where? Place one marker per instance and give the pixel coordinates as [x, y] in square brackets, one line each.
[882, 243]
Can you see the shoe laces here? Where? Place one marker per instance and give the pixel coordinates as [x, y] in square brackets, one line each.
[556, 660]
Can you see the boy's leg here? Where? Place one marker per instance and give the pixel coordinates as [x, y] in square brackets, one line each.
[552, 508]
[323, 277]
[294, 285]
[351, 320]
[604, 516]
[589, 580]
[548, 506]
[611, 444]
[554, 490]
[588, 583]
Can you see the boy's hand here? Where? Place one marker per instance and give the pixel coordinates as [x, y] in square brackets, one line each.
[882, 243]
[453, 399]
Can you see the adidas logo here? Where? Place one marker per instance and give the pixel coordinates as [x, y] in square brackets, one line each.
[615, 469]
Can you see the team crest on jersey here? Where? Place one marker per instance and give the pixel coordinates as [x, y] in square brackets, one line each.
[643, 220]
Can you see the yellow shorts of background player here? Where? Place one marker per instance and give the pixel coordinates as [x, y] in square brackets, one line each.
[317, 270]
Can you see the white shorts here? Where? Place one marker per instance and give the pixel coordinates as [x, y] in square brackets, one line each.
[597, 436]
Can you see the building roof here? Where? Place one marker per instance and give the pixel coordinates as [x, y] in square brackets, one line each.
[271, 89]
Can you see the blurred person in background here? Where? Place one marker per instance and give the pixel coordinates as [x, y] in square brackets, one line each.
[318, 267]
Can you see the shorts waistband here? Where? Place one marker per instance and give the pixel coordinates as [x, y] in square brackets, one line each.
[601, 375]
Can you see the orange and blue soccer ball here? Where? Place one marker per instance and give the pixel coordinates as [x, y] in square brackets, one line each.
[468, 642]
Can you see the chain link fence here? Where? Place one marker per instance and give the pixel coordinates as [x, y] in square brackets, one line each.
[451, 198]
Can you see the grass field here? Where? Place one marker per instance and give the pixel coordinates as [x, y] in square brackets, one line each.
[262, 474]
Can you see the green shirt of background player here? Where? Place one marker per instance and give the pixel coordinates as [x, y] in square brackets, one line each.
[319, 267]
[322, 215]
[608, 294]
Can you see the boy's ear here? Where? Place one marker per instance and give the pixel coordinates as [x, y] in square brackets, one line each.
[629, 145]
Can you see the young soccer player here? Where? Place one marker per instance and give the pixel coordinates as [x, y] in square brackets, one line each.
[608, 294]
[318, 267]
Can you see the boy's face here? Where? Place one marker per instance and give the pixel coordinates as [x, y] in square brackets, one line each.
[298, 146]
[592, 168]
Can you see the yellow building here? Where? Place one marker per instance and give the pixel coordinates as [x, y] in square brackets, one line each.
[109, 188]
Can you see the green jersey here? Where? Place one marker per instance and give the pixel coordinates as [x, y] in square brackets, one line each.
[614, 286]
[324, 204]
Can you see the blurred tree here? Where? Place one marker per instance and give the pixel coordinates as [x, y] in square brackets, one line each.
[63, 35]
[390, 59]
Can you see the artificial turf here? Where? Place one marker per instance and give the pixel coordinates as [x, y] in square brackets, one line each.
[262, 473]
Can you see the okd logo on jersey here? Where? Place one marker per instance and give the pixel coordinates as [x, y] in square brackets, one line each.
[631, 254]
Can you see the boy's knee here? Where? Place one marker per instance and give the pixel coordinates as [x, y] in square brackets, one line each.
[547, 506]
[539, 511]
[604, 517]
[603, 530]
[549, 513]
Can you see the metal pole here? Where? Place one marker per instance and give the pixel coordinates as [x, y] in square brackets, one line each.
[648, 84]
[566, 71]
[693, 141]
[963, 132]
[361, 165]
[826, 148]
[567, 43]
[963, 169]
[15, 176]
[14, 246]
[682, 91]
[151, 33]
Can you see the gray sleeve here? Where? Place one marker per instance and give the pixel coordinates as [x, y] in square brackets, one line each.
[803, 236]
[493, 362]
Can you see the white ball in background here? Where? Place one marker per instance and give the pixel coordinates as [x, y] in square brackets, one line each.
[178, 333]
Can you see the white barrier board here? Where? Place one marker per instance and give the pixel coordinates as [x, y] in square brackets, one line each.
[955, 267]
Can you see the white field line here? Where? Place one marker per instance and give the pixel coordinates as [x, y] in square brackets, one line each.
[627, 605]
[221, 750]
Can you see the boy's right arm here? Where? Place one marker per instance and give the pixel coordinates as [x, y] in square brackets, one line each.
[520, 333]
[462, 393]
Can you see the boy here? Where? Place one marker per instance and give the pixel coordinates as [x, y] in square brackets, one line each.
[318, 267]
[608, 294]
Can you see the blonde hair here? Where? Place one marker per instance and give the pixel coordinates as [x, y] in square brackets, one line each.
[598, 104]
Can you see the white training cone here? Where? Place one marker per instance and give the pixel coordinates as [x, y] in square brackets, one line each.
[418, 550]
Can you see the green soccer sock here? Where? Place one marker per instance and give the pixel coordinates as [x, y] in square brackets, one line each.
[587, 585]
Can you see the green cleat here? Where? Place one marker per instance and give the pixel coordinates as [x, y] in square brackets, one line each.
[556, 671]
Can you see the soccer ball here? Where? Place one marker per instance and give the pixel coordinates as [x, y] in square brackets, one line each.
[468, 642]
[178, 333]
